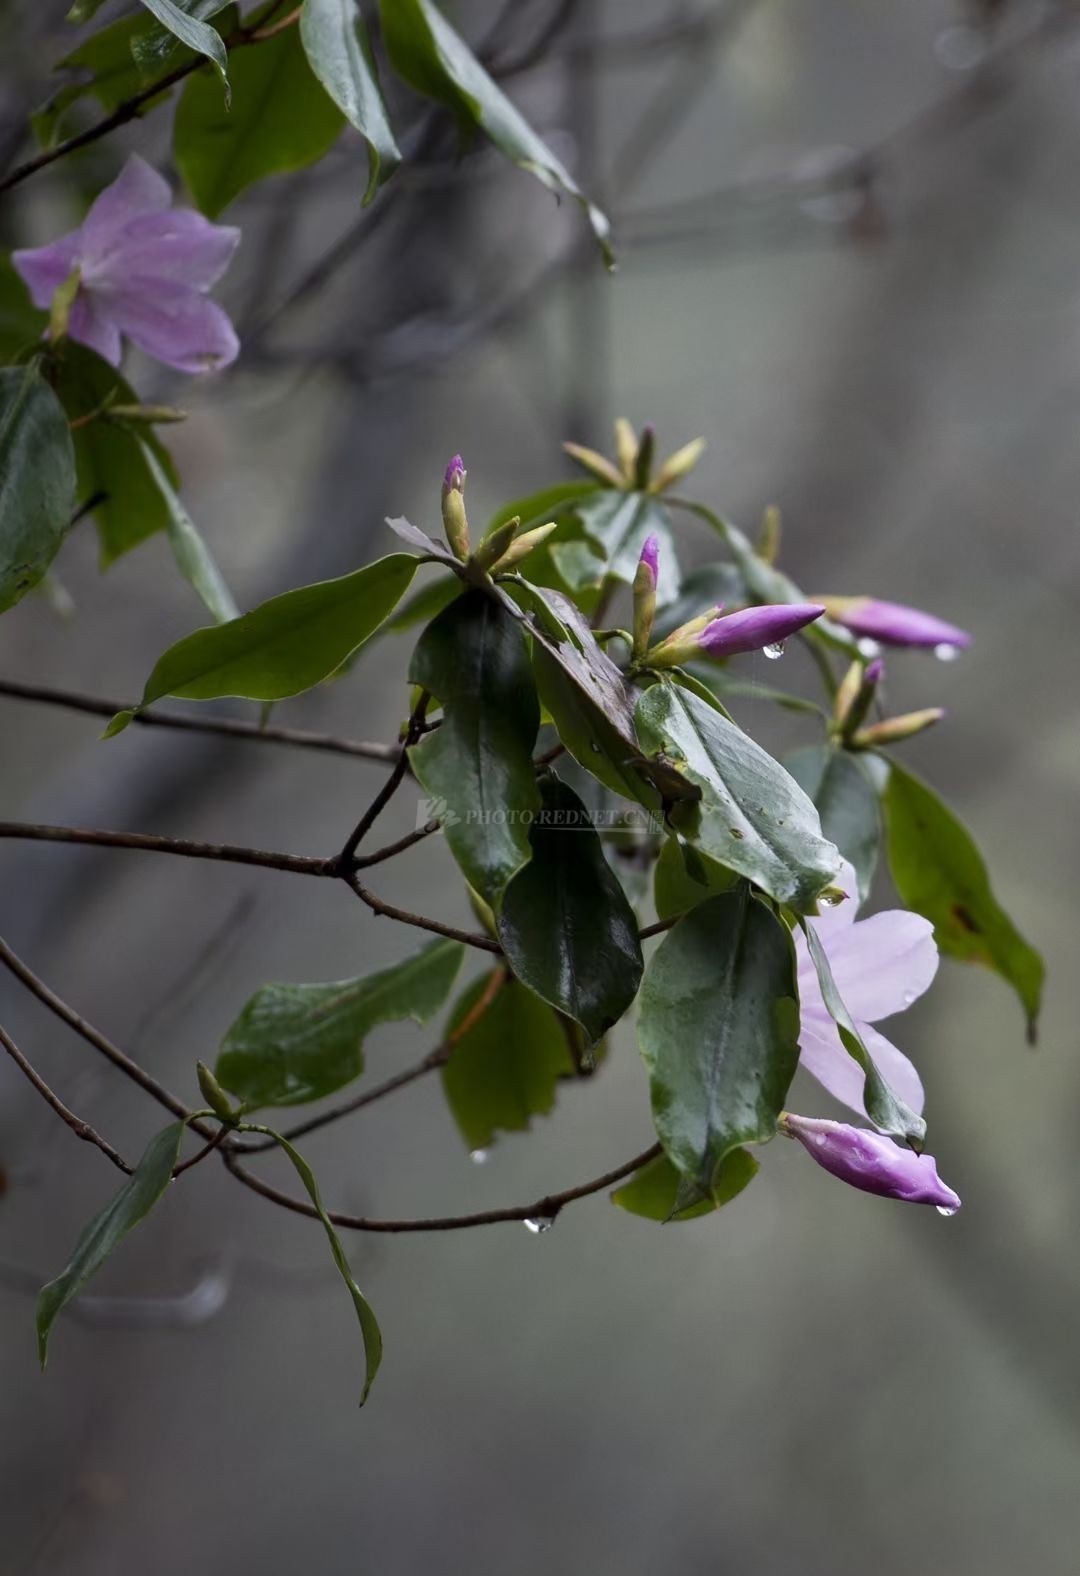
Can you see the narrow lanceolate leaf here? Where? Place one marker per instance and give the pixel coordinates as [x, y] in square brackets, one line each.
[752, 816]
[194, 559]
[505, 1062]
[425, 50]
[37, 480]
[939, 872]
[620, 523]
[112, 461]
[286, 645]
[294, 1043]
[199, 36]
[369, 1325]
[477, 765]
[846, 802]
[884, 1108]
[158, 47]
[336, 43]
[719, 1033]
[108, 1229]
[565, 924]
[281, 119]
[653, 1192]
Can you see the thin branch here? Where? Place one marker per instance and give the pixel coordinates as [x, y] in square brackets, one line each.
[346, 859]
[228, 727]
[658, 927]
[408, 841]
[94, 1037]
[543, 1209]
[201, 1154]
[471, 938]
[80, 1128]
[146, 842]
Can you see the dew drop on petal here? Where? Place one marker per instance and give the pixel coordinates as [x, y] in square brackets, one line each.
[773, 651]
[480, 1157]
[946, 652]
[538, 1224]
[943, 1209]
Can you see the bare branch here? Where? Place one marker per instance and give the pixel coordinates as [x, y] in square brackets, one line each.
[147, 842]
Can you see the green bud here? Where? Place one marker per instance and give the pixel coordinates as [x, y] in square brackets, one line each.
[214, 1094]
[492, 547]
[894, 729]
[62, 302]
[645, 455]
[768, 547]
[626, 448]
[600, 467]
[522, 546]
[676, 465]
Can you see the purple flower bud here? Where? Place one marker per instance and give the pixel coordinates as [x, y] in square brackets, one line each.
[874, 671]
[869, 1161]
[894, 624]
[755, 627]
[454, 480]
[650, 556]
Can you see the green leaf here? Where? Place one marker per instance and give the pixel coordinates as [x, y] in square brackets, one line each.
[111, 462]
[369, 1325]
[884, 1108]
[426, 51]
[108, 1229]
[939, 872]
[336, 43]
[549, 503]
[295, 1043]
[424, 604]
[83, 10]
[199, 36]
[684, 878]
[565, 925]
[719, 1031]
[653, 1192]
[281, 119]
[155, 48]
[846, 803]
[752, 817]
[21, 323]
[193, 557]
[478, 762]
[504, 1068]
[37, 480]
[620, 523]
[286, 645]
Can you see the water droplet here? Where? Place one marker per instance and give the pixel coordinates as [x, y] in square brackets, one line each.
[943, 1209]
[539, 1223]
[867, 647]
[480, 1157]
[961, 48]
[946, 651]
[832, 897]
[736, 833]
[819, 1139]
[773, 651]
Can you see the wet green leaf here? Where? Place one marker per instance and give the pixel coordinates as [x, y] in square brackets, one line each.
[620, 523]
[846, 803]
[21, 323]
[336, 43]
[193, 557]
[294, 1043]
[37, 480]
[565, 925]
[197, 35]
[653, 1191]
[719, 1032]
[939, 872]
[684, 878]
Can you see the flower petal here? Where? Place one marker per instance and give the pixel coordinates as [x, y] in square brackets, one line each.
[754, 627]
[173, 323]
[138, 189]
[44, 268]
[884, 963]
[871, 1162]
[179, 245]
[823, 1055]
[88, 325]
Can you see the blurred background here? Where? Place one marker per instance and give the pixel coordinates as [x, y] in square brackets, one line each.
[849, 242]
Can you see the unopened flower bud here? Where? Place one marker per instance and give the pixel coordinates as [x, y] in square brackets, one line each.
[597, 464]
[626, 448]
[214, 1094]
[645, 579]
[750, 629]
[681, 645]
[768, 547]
[893, 624]
[870, 1161]
[676, 465]
[455, 522]
[522, 546]
[855, 696]
[494, 545]
[646, 449]
[894, 729]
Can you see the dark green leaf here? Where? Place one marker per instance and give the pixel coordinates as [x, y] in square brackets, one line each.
[654, 1190]
[940, 873]
[478, 763]
[504, 1067]
[199, 36]
[424, 604]
[37, 480]
[294, 1043]
[846, 803]
[281, 119]
[21, 323]
[753, 817]
[425, 50]
[111, 461]
[286, 645]
[158, 46]
[565, 924]
[369, 1325]
[193, 557]
[108, 1229]
[620, 523]
[684, 878]
[336, 42]
[884, 1108]
[719, 1032]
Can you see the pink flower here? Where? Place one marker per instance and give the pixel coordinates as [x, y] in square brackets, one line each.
[871, 1162]
[143, 271]
[880, 965]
